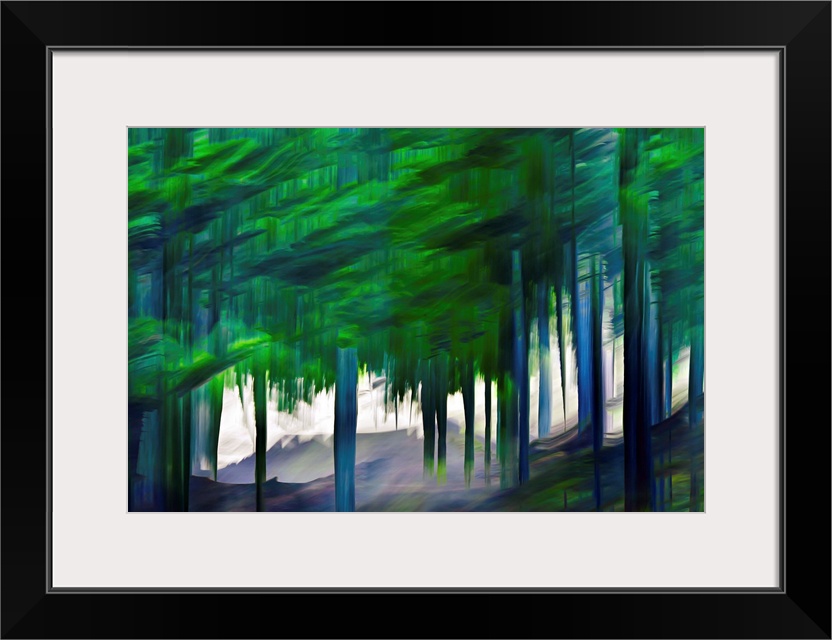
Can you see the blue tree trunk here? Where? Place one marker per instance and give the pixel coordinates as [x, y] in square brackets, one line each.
[544, 405]
[598, 400]
[520, 367]
[578, 331]
[509, 475]
[135, 423]
[583, 334]
[501, 423]
[658, 367]
[696, 371]
[561, 337]
[644, 473]
[652, 357]
[185, 449]
[346, 419]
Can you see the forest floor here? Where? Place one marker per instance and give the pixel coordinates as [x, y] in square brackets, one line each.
[389, 475]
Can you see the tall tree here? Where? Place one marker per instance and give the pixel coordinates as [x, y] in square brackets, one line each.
[637, 452]
[599, 405]
[346, 416]
[468, 400]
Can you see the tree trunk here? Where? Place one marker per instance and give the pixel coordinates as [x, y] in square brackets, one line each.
[561, 337]
[215, 389]
[501, 423]
[696, 371]
[520, 367]
[509, 475]
[637, 480]
[135, 423]
[668, 374]
[583, 352]
[507, 402]
[441, 400]
[190, 398]
[185, 449]
[260, 417]
[652, 358]
[598, 400]
[216, 347]
[346, 419]
[468, 403]
[487, 456]
[428, 418]
[658, 366]
[172, 429]
[544, 405]
[577, 324]
[171, 414]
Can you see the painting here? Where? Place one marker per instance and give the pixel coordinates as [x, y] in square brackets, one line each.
[416, 319]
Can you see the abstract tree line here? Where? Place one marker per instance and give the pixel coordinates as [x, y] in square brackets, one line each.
[294, 259]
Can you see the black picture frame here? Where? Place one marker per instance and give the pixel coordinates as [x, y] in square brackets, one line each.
[799, 31]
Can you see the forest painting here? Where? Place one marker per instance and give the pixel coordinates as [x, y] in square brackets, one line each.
[391, 319]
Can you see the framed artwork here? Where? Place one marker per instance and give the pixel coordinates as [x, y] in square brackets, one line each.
[330, 312]
[467, 285]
